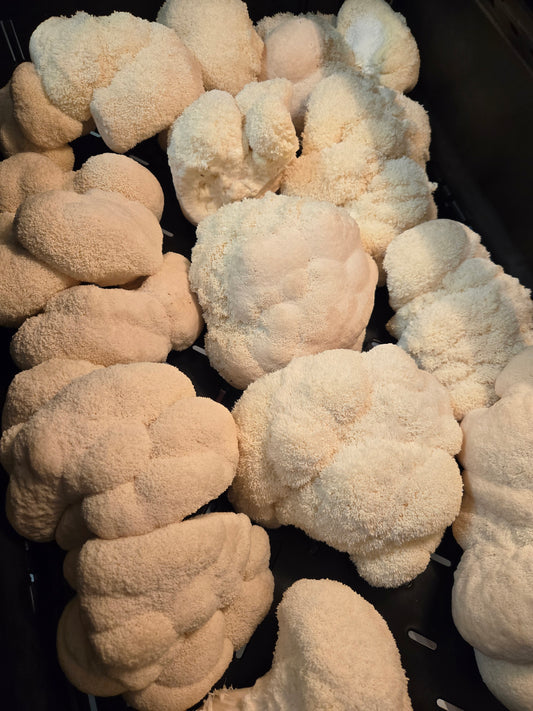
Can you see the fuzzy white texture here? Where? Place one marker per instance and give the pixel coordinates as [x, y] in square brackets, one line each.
[133, 76]
[334, 651]
[492, 599]
[221, 36]
[303, 49]
[357, 451]
[126, 472]
[223, 149]
[364, 148]
[457, 313]
[278, 278]
[381, 42]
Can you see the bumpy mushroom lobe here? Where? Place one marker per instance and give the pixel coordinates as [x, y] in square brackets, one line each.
[13, 140]
[457, 313]
[26, 174]
[367, 156]
[334, 651]
[303, 49]
[148, 93]
[357, 451]
[492, 595]
[277, 278]
[223, 149]
[31, 389]
[100, 236]
[26, 284]
[159, 616]
[40, 121]
[151, 455]
[133, 453]
[104, 326]
[221, 36]
[120, 174]
[170, 285]
[381, 42]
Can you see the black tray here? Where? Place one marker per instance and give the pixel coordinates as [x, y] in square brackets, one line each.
[479, 95]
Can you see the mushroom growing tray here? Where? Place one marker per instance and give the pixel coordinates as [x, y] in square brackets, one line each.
[478, 90]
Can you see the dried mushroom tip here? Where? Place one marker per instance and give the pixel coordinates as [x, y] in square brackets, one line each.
[277, 278]
[367, 155]
[154, 617]
[457, 313]
[303, 49]
[224, 149]
[229, 59]
[120, 48]
[356, 449]
[334, 651]
[381, 42]
[492, 594]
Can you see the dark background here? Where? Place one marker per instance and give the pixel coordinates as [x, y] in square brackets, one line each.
[476, 83]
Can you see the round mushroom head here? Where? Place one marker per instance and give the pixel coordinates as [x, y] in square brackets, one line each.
[356, 449]
[223, 149]
[133, 450]
[117, 173]
[278, 278]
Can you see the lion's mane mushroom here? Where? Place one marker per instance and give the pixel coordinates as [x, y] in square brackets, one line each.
[14, 141]
[334, 651]
[224, 149]
[26, 283]
[158, 616]
[162, 603]
[278, 278]
[109, 326]
[151, 455]
[99, 236]
[457, 313]
[141, 78]
[357, 451]
[26, 174]
[493, 591]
